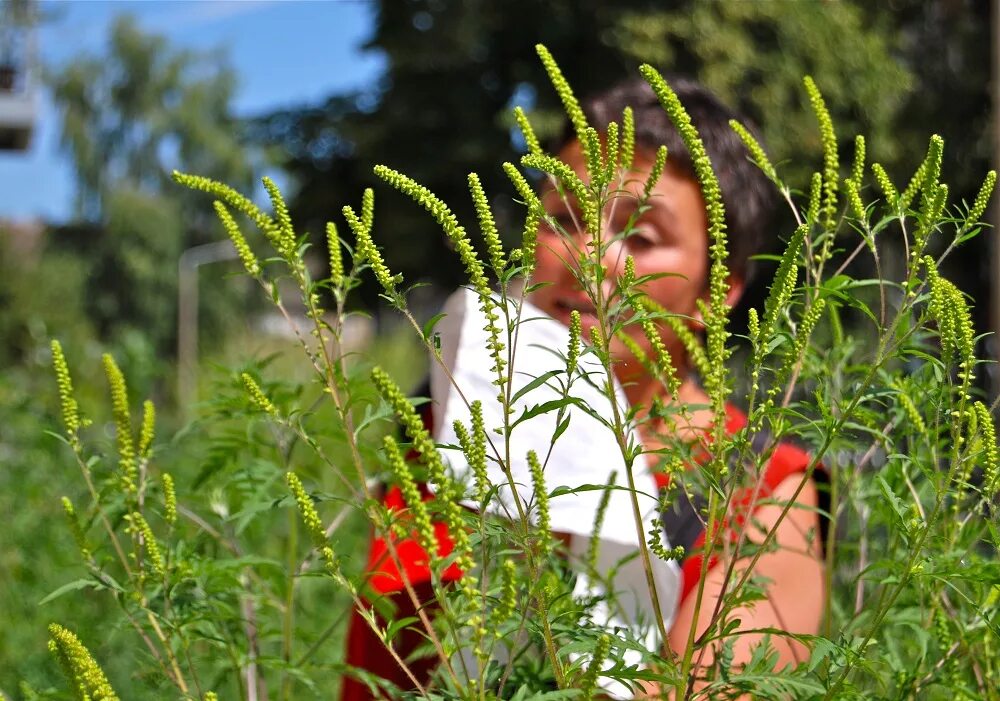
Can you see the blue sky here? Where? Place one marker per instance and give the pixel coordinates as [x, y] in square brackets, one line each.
[284, 52]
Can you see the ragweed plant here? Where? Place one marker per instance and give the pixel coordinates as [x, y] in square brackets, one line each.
[901, 451]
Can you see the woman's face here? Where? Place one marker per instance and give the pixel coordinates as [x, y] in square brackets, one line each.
[669, 237]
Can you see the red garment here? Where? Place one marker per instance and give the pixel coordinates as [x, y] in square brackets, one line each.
[365, 651]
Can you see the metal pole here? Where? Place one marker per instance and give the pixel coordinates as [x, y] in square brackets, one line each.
[187, 315]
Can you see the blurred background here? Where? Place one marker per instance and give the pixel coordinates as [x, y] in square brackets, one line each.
[99, 101]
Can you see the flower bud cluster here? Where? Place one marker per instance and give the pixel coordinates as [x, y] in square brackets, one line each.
[527, 194]
[336, 255]
[755, 150]
[474, 447]
[284, 241]
[831, 163]
[169, 499]
[627, 151]
[75, 528]
[982, 199]
[431, 459]
[307, 510]
[489, 228]
[594, 544]
[885, 183]
[573, 352]
[588, 683]
[139, 528]
[79, 665]
[530, 140]
[257, 396]
[563, 90]
[541, 502]
[70, 409]
[233, 199]
[148, 429]
[656, 545]
[243, 249]
[806, 326]
[568, 178]
[858, 166]
[664, 363]
[367, 252]
[466, 253]
[957, 335]
[718, 285]
[507, 602]
[990, 457]
[123, 424]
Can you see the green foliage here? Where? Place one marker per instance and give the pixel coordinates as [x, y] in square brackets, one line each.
[222, 592]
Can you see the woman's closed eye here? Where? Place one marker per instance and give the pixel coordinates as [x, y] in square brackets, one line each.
[641, 238]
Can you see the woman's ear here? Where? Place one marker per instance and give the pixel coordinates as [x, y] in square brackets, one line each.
[736, 288]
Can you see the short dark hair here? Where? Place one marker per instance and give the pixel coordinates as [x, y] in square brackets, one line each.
[747, 194]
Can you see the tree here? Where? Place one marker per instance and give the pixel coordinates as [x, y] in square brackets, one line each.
[472, 60]
[128, 119]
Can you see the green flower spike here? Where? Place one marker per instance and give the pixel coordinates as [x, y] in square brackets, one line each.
[806, 327]
[75, 528]
[257, 396]
[336, 256]
[243, 250]
[854, 199]
[307, 510]
[489, 228]
[565, 93]
[594, 545]
[755, 150]
[70, 409]
[715, 320]
[431, 459]
[474, 447]
[84, 673]
[286, 234]
[123, 424]
[367, 252]
[507, 603]
[403, 477]
[611, 161]
[148, 429]
[541, 502]
[753, 325]
[912, 413]
[591, 144]
[169, 499]
[530, 140]
[139, 527]
[831, 163]
[466, 253]
[368, 209]
[885, 183]
[664, 363]
[858, 166]
[990, 458]
[982, 199]
[588, 683]
[232, 198]
[535, 211]
[568, 178]
[654, 174]
[211, 696]
[628, 138]
[782, 287]
[815, 197]
[573, 352]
